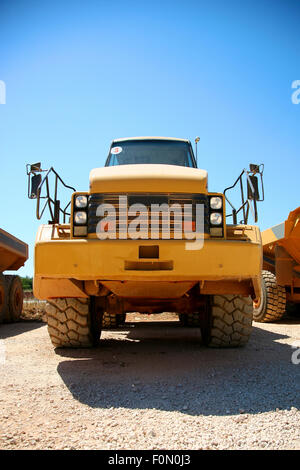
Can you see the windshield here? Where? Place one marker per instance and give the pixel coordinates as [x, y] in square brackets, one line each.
[168, 152]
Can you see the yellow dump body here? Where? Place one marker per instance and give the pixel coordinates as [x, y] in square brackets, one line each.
[13, 252]
[281, 250]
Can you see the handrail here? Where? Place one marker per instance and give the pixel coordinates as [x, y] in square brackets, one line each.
[52, 202]
[252, 196]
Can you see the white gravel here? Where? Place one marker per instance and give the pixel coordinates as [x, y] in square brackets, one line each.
[149, 386]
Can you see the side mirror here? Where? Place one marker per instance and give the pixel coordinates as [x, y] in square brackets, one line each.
[35, 182]
[254, 168]
[252, 188]
[35, 167]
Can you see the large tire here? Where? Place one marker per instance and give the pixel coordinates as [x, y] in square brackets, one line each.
[14, 298]
[190, 319]
[3, 298]
[228, 322]
[111, 321]
[73, 323]
[273, 302]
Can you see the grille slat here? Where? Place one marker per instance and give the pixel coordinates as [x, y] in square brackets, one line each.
[147, 200]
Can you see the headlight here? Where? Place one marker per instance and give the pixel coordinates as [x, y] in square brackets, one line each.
[216, 203]
[81, 202]
[80, 218]
[216, 218]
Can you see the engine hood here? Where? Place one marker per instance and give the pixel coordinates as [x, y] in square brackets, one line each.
[148, 178]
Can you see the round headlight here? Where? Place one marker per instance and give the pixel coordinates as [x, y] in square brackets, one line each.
[80, 218]
[81, 202]
[216, 218]
[216, 202]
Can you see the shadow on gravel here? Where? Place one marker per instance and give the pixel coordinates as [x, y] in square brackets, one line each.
[165, 367]
[8, 330]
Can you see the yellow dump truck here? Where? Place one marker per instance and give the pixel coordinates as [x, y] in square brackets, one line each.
[13, 254]
[281, 269]
[146, 237]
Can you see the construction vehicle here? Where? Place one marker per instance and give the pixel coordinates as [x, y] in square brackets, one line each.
[13, 254]
[281, 270]
[147, 237]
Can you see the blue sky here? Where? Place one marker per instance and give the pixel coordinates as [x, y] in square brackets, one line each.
[79, 74]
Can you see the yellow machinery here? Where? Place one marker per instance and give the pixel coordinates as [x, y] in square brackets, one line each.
[13, 254]
[281, 269]
[119, 247]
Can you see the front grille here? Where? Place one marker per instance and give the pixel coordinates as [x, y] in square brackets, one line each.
[151, 221]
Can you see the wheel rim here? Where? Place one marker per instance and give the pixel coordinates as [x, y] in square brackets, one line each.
[258, 306]
[16, 300]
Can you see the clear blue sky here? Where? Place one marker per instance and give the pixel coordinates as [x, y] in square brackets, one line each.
[79, 74]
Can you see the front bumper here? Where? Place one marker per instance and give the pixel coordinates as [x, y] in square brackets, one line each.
[118, 260]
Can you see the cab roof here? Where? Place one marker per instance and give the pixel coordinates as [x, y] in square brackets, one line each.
[150, 138]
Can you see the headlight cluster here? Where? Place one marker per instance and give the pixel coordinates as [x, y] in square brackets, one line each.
[80, 216]
[216, 216]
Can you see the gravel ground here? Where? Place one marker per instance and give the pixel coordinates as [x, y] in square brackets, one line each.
[149, 385]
